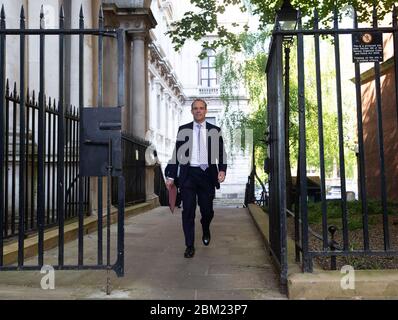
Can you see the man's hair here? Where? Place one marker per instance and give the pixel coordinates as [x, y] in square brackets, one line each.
[201, 100]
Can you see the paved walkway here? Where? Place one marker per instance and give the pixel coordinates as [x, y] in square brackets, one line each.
[234, 266]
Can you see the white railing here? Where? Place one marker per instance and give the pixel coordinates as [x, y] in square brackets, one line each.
[209, 91]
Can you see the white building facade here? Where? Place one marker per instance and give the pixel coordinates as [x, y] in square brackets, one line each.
[160, 82]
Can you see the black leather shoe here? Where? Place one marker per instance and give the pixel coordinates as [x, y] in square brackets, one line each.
[206, 238]
[189, 252]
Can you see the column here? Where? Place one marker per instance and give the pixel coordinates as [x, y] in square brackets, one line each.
[139, 101]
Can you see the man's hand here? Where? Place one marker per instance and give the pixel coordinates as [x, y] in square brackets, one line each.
[221, 176]
[169, 183]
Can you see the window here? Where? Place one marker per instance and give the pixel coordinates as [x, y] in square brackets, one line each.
[211, 120]
[208, 76]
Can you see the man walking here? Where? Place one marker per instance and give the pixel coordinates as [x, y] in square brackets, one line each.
[200, 155]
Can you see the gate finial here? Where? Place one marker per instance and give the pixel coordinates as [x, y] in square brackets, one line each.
[101, 12]
[42, 21]
[3, 14]
[81, 14]
[62, 12]
[316, 19]
[374, 15]
[335, 17]
[22, 15]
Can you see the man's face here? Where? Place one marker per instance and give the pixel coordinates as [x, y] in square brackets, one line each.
[199, 111]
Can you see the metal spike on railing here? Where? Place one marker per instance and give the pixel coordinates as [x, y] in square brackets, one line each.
[54, 105]
[355, 18]
[316, 18]
[2, 14]
[62, 12]
[27, 94]
[15, 90]
[101, 13]
[22, 15]
[7, 87]
[299, 19]
[42, 20]
[374, 15]
[335, 17]
[33, 97]
[81, 14]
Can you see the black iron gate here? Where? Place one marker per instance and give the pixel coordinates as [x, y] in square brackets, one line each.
[276, 141]
[48, 186]
[375, 141]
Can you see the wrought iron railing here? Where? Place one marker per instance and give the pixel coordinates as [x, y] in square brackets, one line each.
[12, 162]
[133, 150]
[373, 134]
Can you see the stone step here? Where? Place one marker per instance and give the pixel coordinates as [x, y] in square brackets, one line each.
[224, 202]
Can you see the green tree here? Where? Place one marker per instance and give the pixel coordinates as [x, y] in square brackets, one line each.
[204, 21]
[250, 72]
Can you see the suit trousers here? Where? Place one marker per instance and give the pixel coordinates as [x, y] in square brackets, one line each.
[198, 186]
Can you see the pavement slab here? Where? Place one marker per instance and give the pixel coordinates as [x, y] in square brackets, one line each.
[234, 266]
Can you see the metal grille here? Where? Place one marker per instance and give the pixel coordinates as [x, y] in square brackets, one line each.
[276, 114]
[40, 179]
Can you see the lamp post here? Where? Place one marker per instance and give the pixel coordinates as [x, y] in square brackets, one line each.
[286, 19]
[286, 16]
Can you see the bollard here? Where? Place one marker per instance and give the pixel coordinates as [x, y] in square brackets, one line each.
[332, 229]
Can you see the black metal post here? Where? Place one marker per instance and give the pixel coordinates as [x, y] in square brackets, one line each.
[333, 264]
[100, 104]
[33, 164]
[61, 145]
[14, 155]
[26, 151]
[341, 135]
[307, 263]
[48, 125]
[3, 119]
[383, 188]
[121, 186]
[7, 130]
[362, 172]
[53, 173]
[22, 136]
[41, 144]
[320, 133]
[81, 106]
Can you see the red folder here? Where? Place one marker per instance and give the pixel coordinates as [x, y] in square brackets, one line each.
[172, 197]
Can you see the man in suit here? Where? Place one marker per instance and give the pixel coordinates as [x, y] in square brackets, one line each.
[200, 156]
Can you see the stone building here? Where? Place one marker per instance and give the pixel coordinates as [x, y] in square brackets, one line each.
[160, 83]
[389, 120]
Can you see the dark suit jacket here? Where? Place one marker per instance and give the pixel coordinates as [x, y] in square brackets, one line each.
[217, 158]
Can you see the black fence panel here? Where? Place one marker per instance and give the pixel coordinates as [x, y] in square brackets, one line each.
[42, 184]
[375, 137]
[31, 165]
[133, 150]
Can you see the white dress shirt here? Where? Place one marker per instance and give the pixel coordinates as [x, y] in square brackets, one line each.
[195, 161]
